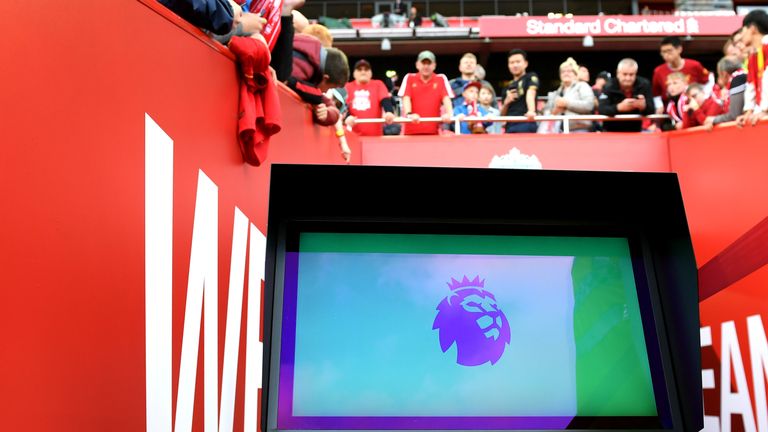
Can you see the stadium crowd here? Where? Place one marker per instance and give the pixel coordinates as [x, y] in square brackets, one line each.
[274, 42]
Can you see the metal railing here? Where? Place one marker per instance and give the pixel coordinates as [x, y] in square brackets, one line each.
[520, 119]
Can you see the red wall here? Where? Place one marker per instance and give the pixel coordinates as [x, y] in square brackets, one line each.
[724, 181]
[76, 80]
[600, 152]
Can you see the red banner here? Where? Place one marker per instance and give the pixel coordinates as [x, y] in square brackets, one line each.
[608, 25]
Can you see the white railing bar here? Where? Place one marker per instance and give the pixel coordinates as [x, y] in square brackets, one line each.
[520, 119]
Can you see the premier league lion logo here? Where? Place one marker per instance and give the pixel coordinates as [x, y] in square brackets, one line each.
[470, 317]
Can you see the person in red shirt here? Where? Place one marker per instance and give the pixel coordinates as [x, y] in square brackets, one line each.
[677, 83]
[700, 106]
[367, 98]
[424, 94]
[755, 36]
[671, 51]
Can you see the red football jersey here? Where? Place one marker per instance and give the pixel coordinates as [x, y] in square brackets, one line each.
[691, 68]
[271, 11]
[364, 101]
[426, 100]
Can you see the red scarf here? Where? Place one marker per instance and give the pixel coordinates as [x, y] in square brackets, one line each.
[471, 108]
[676, 110]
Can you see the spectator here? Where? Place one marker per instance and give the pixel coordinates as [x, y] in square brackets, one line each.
[755, 37]
[700, 106]
[738, 49]
[520, 94]
[480, 77]
[423, 94]
[677, 109]
[471, 108]
[311, 77]
[223, 19]
[627, 93]
[367, 98]
[671, 51]
[414, 19]
[734, 47]
[271, 11]
[339, 98]
[387, 19]
[487, 99]
[321, 33]
[282, 53]
[467, 67]
[600, 81]
[391, 80]
[216, 17]
[400, 8]
[731, 77]
[583, 74]
[597, 89]
[572, 97]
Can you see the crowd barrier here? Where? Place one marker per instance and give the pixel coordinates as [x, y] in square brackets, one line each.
[120, 169]
[83, 116]
[565, 119]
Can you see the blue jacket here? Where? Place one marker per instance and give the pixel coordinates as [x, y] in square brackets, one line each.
[213, 15]
[464, 109]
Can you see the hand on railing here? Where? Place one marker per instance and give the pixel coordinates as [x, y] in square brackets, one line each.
[750, 118]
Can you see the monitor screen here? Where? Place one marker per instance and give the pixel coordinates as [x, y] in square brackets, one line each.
[446, 299]
[402, 331]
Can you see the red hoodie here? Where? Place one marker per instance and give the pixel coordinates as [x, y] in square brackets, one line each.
[709, 108]
[259, 104]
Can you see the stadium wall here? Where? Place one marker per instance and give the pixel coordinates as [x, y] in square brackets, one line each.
[110, 107]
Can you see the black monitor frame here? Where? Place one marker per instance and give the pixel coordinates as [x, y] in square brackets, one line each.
[645, 208]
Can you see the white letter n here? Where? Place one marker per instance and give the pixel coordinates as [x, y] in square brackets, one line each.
[203, 281]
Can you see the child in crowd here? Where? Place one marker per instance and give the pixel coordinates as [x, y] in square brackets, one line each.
[321, 32]
[677, 82]
[471, 108]
[487, 99]
[700, 106]
[311, 77]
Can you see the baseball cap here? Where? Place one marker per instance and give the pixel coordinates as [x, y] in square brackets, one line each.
[362, 63]
[426, 55]
[604, 75]
[474, 84]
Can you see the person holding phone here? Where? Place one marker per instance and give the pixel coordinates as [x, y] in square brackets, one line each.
[626, 93]
[520, 94]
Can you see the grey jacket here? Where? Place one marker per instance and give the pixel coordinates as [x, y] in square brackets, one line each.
[581, 100]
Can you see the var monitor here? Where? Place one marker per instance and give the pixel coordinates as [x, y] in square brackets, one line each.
[437, 299]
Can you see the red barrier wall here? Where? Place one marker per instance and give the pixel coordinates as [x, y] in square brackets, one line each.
[724, 181]
[76, 81]
[599, 152]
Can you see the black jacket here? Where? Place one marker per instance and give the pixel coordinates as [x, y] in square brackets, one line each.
[613, 94]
